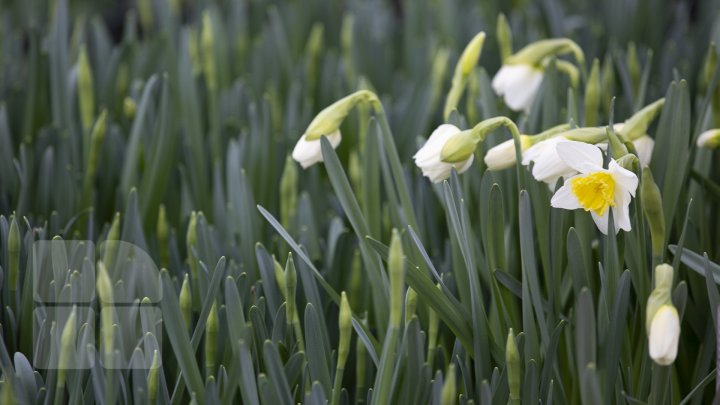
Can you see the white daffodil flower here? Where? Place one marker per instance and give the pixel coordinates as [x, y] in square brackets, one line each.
[709, 139]
[428, 157]
[307, 153]
[595, 189]
[502, 156]
[664, 335]
[518, 84]
[547, 165]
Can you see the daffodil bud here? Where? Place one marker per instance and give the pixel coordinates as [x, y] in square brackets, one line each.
[279, 276]
[145, 13]
[290, 285]
[211, 334]
[104, 285]
[513, 368]
[448, 396]
[653, 210]
[458, 148]
[288, 192]
[664, 335]
[636, 126]
[208, 51]
[709, 139]
[105, 293]
[437, 76]
[504, 36]
[711, 60]
[67, 346]
[593, 92]
[411, 300]
[129, 107]
[329, 119]
[163, 235]
[396, 269]
[533, 54]
[111, 244]
[191, 246]
[186, 301]
[633, 65]
[347, 38]
[608, 82]
[152, 378]
[315, 39]
[661, 294]
[13, 249]
[345, 326]
[86, 96]
[465, 65]
[503, 155]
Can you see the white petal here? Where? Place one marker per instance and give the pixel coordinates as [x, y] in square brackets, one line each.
[644, 147]
[664, 335]
[547, 167]
[518, 84]
[624, 178]
[709, 139]
[621, 211]
[581, 156]
[601, 221]
[428, 157]
[307, 153]
[564, 198]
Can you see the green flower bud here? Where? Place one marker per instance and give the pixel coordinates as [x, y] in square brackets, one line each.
[448, 396]
[345, 326]
[636, 126]
[86, 96]
[654, 215]
[346, 43]
[211, 333]
[411, 299]
[459, 147]
[111, 242]
[186, 302]
[67, 347]
[439, 66]
[129, 107]
[711, 60]
[279, 276]
[104, 286]
[329, 119]
[465, 65]
[396, 268]
[608, 82]
[633, 65]
[661, 295]
[290, 285]
[96, 139]
[504, 36]
[288, 192]
[163, 235]
[207, 42]
[152, 378]
[513, 368]
[593, 92]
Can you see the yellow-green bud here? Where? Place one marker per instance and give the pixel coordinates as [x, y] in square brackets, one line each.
[290, 285]
[86, 96]
[186, 301]
[608, 81]
[315, 39]
[14, 245]
[152, 378]
[345, 326]
[637, 125]
[439, 66]
[661, 295]
[67, 345]
[111, 244]
[396, 268]
[211, 333]
[129, 107]
[711, 60]
[208, 51]
[633, 65]
[411, 300]
[459, 147]
[288, 192]
[104, 286]
[593, 92]
[535, 53]
[653, 210]
[709, 139]
[448, 395]
[504, 36]
[191, 241]
[279, 276]
[513, 367]
[329, 119]
[163, 235]
[346, 43]
[465, 65]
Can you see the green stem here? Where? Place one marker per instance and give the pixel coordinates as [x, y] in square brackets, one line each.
[339, 371]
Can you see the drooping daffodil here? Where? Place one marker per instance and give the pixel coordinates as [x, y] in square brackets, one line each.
[595, 189]
[663, 320]
[521, 74]
[428, 158]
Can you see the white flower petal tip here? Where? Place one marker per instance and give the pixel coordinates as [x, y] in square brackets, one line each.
[547, 165]
[596, 189]
[709, 139]
[518, 85]
[664, 335]
[307, 153]
[503, 155]
[644, 148]
[428, 157]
